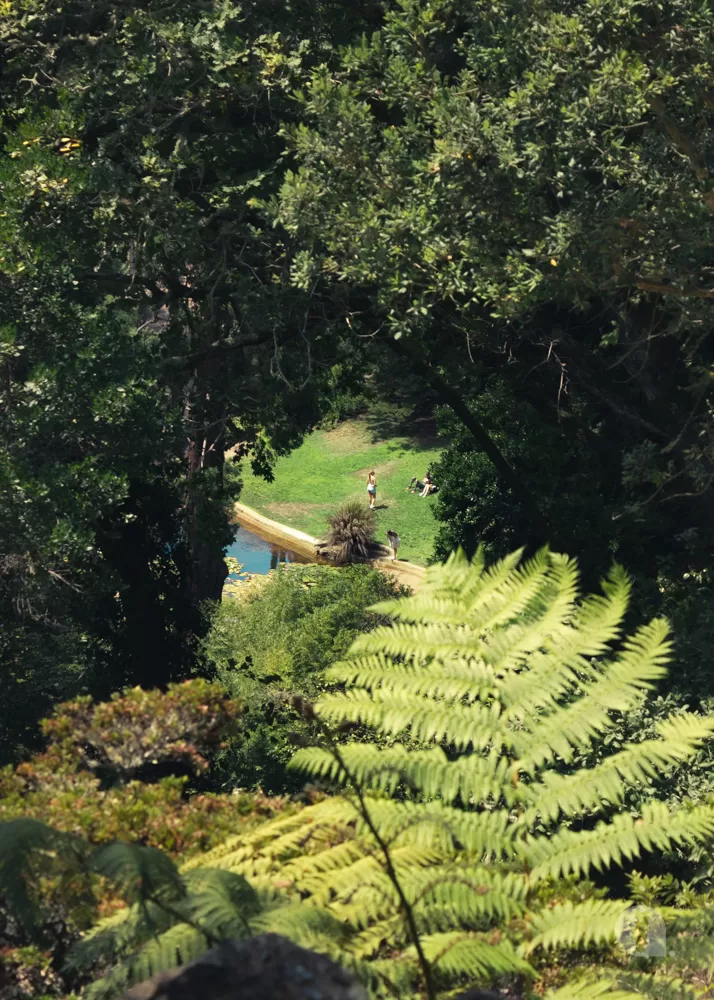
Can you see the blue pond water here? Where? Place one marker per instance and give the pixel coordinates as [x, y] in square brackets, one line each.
[258, 555]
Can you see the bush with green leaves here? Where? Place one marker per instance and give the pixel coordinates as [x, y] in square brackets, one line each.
[466, 858]
[117, 771]
[278, 642]
[120, 769]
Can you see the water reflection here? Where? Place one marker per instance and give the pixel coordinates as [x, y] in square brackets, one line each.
[258, 555]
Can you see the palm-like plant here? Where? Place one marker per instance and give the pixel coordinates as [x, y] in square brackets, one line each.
[351, 531]
[441, 864]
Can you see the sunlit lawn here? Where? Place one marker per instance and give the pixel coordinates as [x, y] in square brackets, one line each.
[332, 466]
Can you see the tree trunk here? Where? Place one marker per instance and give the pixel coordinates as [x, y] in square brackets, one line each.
[205, 450]
[450, 396]
[208, 567]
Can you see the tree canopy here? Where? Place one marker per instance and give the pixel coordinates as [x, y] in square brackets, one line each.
[149, 323]
[525, 187]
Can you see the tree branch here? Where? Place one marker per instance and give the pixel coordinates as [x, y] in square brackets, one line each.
[662, 288]
[680, 141]
[683, 144]
[220, 347]
[479, 433]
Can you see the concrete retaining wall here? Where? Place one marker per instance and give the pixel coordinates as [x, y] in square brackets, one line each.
[305, 545]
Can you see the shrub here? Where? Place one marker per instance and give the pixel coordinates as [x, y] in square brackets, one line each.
[351, 531]
[141, 729]
[85, 784]
[276, 641]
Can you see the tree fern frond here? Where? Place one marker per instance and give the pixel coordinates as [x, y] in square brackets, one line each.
[566, 655]
[642, 661]
[446, 620]
[364, 878]
[451, 587]
[138, 872]
[177, 946]
[468, 894]
[338, 858]
[431, 824]
[587, 988]
[419, 643]
[364, 891]
[571, 925]
[308, 926]
[122, 932]
[278, 840]
[551, 606]
[624, 837]
[379, 934]
[424, 720]
[246, 844]
[598, 618]
[456, 954]
[221, 902]
[466, 678]
[399, 973]
[430, 773]
[588, 789]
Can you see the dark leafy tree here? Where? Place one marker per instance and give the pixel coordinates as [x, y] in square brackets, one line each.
[525, 186]
[149, 323]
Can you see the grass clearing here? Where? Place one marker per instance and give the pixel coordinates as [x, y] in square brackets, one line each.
[331, 467]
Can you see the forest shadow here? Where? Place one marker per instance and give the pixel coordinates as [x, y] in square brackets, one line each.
[417, 428]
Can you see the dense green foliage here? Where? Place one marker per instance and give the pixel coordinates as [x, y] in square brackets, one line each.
[520, 193]
[454, 860]
[91, 563]
[149, 324]
[277, 642]
[225, 224]
[488, 184]
[118, 771]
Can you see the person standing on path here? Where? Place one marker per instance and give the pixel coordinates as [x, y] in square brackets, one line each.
[372, 489]
[394, 540]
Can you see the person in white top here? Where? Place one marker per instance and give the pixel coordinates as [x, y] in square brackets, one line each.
[372, 489]
[393, 539]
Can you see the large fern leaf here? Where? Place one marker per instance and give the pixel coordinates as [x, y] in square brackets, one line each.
[138, 873]
[22, 843]
[571, 925]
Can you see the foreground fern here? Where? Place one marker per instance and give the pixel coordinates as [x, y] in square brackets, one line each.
[499, 676]
[443, 862]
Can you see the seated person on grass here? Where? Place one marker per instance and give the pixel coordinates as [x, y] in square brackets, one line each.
[422, 488]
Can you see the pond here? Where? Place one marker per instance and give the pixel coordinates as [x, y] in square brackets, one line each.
[259, 555]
